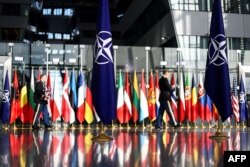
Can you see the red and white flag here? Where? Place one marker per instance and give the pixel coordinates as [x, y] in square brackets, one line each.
[68, 113]
[56, 100]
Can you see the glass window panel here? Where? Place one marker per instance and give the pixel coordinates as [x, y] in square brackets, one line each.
[47, 11]
[58, 11]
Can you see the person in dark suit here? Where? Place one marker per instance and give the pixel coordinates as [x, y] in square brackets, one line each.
[164, 99]
[41, 98]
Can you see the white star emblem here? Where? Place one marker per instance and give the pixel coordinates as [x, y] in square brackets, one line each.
[5, 97]
[103, 48]
[242, 97]
[217, 50]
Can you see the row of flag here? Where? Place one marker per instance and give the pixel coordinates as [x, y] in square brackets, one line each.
[103, 88]
[127, 149]
[135, 102]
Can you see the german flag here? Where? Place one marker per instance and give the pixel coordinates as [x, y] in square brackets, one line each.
[89, 115]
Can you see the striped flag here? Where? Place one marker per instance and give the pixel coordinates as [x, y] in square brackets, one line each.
[120, 100]
[73, 93]
[68, 113]
[143, 99]
[89, 113]
[194, 97]
[181, 101]
[136, 100]
[208, 109]
[48, 91]
[26, 115]
[56, 100]
[188, 102]
[201, 99]
[80, 101]
[235, 101]
[173, 97]
[127, 100]
[32, 104]
[157, 93]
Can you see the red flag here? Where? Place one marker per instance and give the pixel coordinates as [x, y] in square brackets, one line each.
[14, 149]
[127, 100]
[15, 103]
[151, 98]
[68, 113]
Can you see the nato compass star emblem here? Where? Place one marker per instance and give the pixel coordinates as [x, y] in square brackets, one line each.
[242, 97]
[103, 48]
[5, 98]
[218, 50]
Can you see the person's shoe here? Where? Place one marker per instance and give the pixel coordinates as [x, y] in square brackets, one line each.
[158, 127]
[35, 127]
[177, 126]
[49, 127]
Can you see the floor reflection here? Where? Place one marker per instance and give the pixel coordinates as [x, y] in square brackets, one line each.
[171, 147]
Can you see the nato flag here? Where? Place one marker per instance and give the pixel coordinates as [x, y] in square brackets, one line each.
[5, 105]
[217, 83]
[243, 102]
[103, 80]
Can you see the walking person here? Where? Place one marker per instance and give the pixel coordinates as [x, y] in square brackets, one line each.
[164, 99]
[41, 98]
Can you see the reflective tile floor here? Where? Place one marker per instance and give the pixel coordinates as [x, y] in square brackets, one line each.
[133, 147]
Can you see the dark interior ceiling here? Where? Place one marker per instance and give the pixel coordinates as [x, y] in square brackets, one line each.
[130, 20]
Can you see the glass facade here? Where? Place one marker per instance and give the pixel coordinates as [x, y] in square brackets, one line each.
[229, 6]
[70, 56]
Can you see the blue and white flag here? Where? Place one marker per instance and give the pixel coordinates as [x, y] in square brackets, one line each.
[217, 83]
[5, 104]
[103, 80]
[242, 102]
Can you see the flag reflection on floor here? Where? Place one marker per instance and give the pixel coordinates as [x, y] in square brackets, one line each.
[185, 147]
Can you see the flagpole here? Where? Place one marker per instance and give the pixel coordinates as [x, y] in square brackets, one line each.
[102, 137]
[47, 46]
[81, 55]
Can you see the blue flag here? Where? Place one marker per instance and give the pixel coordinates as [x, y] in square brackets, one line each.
[73, 95]
[5, 104]
[242, 102]
[217, 83]
[103, 81]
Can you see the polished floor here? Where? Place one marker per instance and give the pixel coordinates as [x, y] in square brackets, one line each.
[134, 147]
